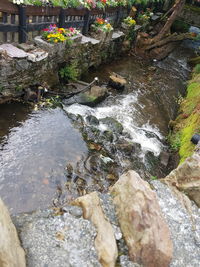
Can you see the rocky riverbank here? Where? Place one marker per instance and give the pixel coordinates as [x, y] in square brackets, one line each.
[134, 224]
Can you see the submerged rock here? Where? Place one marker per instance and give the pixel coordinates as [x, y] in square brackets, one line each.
[143, 226]
[11, 252]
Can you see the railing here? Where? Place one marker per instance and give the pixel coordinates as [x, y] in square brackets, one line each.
[22, 23]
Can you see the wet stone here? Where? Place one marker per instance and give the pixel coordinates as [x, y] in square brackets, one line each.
[92, 120]
[113, 124]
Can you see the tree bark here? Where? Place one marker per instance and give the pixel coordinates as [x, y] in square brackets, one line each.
[145, 44]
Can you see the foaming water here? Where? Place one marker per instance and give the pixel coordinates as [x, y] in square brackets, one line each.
[124, 108]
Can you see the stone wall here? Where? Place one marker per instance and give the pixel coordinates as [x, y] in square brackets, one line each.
[39, 63]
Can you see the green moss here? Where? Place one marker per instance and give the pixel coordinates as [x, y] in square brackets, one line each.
[188, 122]
[191, 126]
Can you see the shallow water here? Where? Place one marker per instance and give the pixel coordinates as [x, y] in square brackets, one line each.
[36, 146]
[33, 159]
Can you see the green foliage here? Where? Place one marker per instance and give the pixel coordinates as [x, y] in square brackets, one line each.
[197, 69]
[174, 140]
[1, 88]
[153, 177]
[69, 72]
[53, 102]
[180, 26]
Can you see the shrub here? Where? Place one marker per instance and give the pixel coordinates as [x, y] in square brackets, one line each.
[69, 72]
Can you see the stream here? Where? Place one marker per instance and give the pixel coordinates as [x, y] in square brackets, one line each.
[50, 156]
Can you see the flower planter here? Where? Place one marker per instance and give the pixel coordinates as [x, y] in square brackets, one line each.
[50, 47]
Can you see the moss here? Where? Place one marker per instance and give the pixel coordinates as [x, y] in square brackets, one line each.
[188, 121]
[191, 126]
[192, 8]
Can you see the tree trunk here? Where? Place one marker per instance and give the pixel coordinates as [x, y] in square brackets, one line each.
[161, 45]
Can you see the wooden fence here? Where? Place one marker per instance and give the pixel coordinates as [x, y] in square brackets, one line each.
[23, 23]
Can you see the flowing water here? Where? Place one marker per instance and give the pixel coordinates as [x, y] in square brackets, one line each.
[42, 152]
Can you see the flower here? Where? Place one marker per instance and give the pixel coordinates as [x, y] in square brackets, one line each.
[54, 34]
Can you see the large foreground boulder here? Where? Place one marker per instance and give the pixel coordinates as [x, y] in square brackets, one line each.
[142, 223]
[105, 241]
[11, 253]
[186, 178]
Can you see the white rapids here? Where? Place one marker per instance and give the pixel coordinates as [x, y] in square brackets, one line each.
[124, 110]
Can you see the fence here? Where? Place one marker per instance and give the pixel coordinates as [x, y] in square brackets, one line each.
[22, 23]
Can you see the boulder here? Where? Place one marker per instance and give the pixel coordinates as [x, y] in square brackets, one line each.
[142, 224]
[11, 253]
[105, 242]
[186, 178]
[113, 124]
[116, 81]
[90, 98]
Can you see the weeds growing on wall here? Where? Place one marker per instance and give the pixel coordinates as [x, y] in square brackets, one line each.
[69, 72]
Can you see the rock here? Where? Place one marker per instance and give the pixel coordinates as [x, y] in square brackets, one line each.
[92, 97]
[113, 124]
[142, 224]
[105, 241]
[13, 51]
[118, 34]
[89, 40]
[57, 240]
[186, 178]
[37, 55]
[184, 225]
[92, 120]
[164, 158]
[116, 81]
[11, 253]
[26, 47]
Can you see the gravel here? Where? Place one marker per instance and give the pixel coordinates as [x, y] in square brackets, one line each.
[57, 241]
